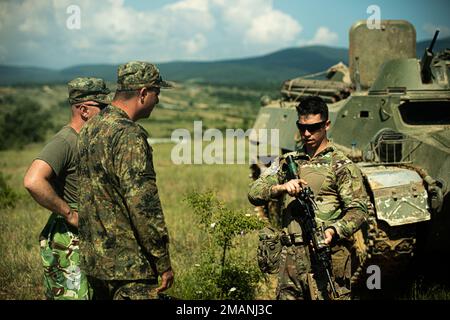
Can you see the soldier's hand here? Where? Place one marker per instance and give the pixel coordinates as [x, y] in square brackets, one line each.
[167, 279]
[293, 187]
[329, 234]
[72, 218]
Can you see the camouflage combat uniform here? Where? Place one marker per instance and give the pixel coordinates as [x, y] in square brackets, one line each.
[59, 241]
[124, 240]
[342, 204]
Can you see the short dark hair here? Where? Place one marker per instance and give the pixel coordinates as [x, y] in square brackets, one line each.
[312, 105]
[125, 94]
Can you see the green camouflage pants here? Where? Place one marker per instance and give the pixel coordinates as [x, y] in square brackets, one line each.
[301, 279]
[124, 289]
[63, 279]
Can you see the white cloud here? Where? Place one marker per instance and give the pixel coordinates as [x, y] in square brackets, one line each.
[34, 27]
[82, 44]
[323, 36]
[190, 14]
[34, 17]
[112, 31]
[196, 5]
[273, 27]
[256, 26]
[118, 22]
[239, 14]
[195, 44]
[258, 21]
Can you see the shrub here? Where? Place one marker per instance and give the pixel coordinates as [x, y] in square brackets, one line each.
[22, 121]
[222, 273]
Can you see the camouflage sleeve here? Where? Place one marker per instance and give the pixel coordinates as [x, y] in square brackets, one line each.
[259, 190]
[134, 167]
[354, 200]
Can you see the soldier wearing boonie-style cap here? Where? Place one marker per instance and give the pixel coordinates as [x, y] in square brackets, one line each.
[124, 239]
[52, 181]
[135, 75]
[85, 89]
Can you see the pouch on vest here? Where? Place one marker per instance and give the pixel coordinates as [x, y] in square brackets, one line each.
[269, 250]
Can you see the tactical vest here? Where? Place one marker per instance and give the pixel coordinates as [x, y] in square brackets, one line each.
[315, 175]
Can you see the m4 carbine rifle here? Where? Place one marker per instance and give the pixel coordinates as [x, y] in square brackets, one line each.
[314, 234]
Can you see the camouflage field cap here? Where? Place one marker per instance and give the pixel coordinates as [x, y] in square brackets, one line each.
[139, 74]
[88, 89]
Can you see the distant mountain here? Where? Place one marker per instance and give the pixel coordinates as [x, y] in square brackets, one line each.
[17, 75]
[268, 69]
[271, 68]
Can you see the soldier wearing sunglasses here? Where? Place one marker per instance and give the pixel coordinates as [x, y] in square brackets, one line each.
[341, 206]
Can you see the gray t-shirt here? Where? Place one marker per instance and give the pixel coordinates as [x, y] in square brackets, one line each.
[61, 154]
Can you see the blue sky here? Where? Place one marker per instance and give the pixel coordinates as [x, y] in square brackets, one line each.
[39, 33]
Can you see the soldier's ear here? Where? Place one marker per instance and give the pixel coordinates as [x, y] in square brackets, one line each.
[143, 93]
[84, 111]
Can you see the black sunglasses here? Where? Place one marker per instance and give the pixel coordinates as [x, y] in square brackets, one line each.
[310, 127]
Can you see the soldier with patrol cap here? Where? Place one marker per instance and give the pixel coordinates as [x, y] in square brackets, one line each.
[341, 208]
[124, 239]
[52, 181]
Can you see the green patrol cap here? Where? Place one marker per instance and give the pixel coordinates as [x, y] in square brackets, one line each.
[88, 89]
[139, 74]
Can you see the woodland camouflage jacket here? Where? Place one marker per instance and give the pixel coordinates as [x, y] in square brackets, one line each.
[123, 234]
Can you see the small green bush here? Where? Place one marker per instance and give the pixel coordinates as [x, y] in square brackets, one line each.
[22, 121]
[222, 273]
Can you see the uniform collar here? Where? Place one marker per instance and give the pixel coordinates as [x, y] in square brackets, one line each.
[116, 110]
[301, 152]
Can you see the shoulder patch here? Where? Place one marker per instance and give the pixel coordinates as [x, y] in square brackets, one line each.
[340, 161]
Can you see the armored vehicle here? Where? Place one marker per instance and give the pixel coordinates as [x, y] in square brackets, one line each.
[393, 120]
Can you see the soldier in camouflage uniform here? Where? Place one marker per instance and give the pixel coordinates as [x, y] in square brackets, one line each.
[53, 183]
[341, 199]
[124, 239]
